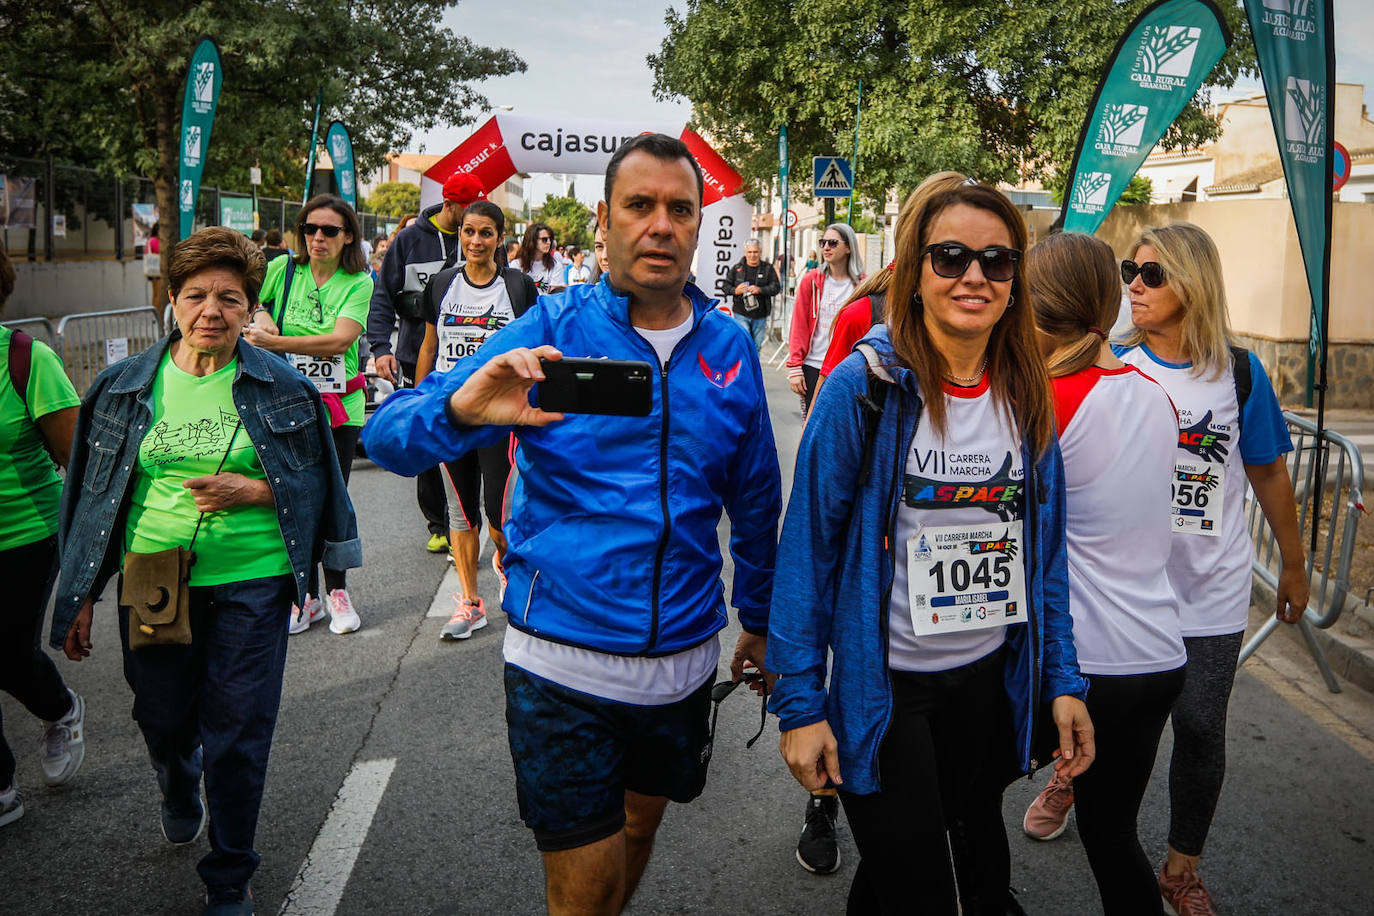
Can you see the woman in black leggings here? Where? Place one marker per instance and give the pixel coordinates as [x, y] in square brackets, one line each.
[1117, 433]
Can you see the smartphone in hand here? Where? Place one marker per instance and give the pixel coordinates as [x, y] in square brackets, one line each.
[613, 387]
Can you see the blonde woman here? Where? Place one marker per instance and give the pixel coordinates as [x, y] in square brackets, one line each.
[1230, 432]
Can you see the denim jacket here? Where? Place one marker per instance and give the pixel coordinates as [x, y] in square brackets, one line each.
[282, 415]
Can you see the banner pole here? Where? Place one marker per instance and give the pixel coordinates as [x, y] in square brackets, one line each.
[314, 138]
[1324, 322]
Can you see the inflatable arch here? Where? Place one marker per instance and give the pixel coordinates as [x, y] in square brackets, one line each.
[507, 144]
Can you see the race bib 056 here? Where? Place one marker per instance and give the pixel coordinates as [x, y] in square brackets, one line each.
[1198, 490]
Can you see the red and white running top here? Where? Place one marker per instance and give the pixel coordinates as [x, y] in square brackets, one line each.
[1118, 434]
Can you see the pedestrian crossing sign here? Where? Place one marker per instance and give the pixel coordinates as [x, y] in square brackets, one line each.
[833, 177]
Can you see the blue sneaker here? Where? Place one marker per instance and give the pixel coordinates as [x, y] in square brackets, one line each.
[229, 901]
[183, 824]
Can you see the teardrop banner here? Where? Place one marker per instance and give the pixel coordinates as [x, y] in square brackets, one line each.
[340, 147]
[203, 83]
[1163, 58]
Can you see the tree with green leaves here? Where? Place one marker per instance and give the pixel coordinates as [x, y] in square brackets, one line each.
[569, 218]
[394, 198]
[997, 89]
[100, 83]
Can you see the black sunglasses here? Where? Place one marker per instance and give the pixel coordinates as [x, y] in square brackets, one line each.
[329, 231]
[831, 243]
[316, 309]
[723, 689]
[950, 260]
[1150, 273]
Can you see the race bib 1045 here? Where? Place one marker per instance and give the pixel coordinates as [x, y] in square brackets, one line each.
[1199, 487]
[966, 577]
[326, 373]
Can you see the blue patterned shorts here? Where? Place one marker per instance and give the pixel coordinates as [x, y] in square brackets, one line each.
[576, 755]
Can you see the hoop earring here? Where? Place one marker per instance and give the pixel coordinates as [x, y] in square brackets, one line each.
[1011, 302]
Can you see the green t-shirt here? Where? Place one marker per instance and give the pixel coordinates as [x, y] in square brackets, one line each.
[343, 295]
[193, 420]
[29, 485]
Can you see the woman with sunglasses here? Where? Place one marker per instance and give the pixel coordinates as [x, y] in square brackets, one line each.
[463, 307]
[538, 260]
[1117, 433]
[1227, 436]
[924, 550]
[314, 309]
[820, 295]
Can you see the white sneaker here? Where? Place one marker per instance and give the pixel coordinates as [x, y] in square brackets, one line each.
[11, 804]
[64, 743]
[345, 619]
[301, 620]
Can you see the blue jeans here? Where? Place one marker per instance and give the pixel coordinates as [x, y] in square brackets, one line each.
[756, 327]
[211, 708]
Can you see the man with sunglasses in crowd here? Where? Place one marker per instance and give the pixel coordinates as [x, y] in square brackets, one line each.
[420, 250]
[614, 598]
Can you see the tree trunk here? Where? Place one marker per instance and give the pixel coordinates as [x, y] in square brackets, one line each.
[166, 179]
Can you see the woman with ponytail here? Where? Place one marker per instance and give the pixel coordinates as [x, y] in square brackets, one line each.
[1117, 433]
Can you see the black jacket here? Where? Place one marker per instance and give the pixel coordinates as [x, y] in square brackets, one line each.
[765, 278]
[417, 253]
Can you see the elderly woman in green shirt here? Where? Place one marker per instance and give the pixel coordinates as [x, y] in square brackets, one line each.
[314, 310]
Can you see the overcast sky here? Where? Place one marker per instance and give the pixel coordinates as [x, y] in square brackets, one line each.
[589, 58]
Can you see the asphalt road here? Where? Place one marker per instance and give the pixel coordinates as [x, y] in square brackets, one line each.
[403, 739]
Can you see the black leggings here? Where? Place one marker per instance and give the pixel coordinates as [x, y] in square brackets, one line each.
[479, 475]
[1198, 766]
[812, 377]
[943, 761]
[345, 446]
[26, 671]
[1128, 714]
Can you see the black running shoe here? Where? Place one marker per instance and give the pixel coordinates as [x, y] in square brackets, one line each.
[816, 850]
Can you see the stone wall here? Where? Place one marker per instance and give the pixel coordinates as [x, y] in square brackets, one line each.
[1350, 370]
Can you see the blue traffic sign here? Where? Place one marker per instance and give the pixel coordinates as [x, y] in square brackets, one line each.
[833, 177]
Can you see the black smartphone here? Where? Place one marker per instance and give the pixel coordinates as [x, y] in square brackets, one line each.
[613, 387]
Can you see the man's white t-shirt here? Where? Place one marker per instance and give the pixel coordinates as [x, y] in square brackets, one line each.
[1211, 555]
[626, 679]
[1117, 434]
[834, 293]
[966, 488]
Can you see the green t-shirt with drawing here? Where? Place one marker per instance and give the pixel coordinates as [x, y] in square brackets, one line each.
[343, 295]
[29, 485]
[194, 422]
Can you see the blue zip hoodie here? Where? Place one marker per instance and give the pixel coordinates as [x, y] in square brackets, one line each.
[834, 595]
[612, 526]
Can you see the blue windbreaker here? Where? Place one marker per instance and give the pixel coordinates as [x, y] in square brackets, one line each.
[612, 525]
[837, 575]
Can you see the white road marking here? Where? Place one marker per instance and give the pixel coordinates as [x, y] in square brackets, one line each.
[319, 886]
[442, 605]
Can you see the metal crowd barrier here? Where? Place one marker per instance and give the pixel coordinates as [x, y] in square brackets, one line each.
[37, 328]
[1342, 470]
[94, 340]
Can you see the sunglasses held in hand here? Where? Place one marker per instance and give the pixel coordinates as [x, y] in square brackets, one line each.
[724, 688]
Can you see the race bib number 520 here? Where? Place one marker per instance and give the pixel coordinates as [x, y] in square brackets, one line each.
[326, 373]
[966, 577]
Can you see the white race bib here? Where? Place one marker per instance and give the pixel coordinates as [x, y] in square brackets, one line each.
[966, 577]
[1199, 488]
[457, 341]
[326, 373]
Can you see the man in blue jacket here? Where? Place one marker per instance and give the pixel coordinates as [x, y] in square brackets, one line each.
[614, 599]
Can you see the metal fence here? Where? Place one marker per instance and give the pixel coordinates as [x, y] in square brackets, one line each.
[37, 328]
[75, 213]
[1328, 569]
[92, 341]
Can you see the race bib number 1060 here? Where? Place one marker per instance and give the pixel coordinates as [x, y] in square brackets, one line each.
[966, 577]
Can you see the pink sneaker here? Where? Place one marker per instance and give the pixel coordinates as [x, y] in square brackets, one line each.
[1048, 815]
[1186, 894]
[468, 617]
[301, 620]
[500, 571]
